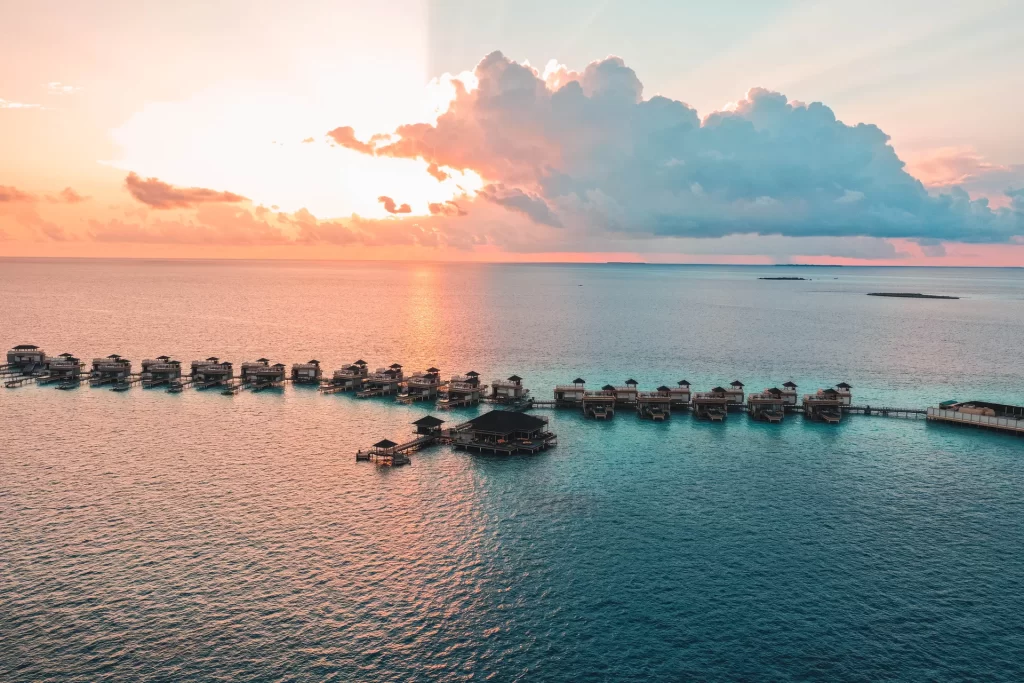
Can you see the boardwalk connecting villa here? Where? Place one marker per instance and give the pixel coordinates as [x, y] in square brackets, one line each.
[348, 378]
[712, 405]
[768, 405]
[420, 386]
[461, 390]
[307, 373]
[504, 432]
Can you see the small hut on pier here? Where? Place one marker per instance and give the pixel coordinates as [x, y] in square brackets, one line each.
[711, 405]
[307, 373]
[429, 425]
[570, 395]
[461, 390]
[112, 369]
[505, 432]
[768, 405]
[600, 405]
[825, 406]
[384, 452]
[159, 371]
[509, 391]
[655, 405]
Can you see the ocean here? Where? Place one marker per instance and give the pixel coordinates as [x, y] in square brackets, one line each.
[194, 536]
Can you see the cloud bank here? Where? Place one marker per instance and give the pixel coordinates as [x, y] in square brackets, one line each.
[160, 195]
[585, 151]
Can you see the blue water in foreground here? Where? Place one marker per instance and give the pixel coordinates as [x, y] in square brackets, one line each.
[149, 536]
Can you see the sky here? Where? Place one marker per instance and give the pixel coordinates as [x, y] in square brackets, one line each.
[683, 132]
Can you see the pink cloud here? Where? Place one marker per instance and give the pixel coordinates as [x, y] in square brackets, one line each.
[13, 194]
[391, 207]
[160, 195]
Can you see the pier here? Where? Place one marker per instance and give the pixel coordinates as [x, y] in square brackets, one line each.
[386, 452]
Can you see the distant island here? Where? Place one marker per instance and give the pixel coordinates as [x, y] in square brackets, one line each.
[908, 295]
[783, 278]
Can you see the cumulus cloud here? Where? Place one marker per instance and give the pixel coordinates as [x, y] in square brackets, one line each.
[160, 195]
[448, 208]
[391, 207]
[433, 170]
[586, 151]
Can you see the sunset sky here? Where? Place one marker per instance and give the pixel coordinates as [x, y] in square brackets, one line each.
[734, 131]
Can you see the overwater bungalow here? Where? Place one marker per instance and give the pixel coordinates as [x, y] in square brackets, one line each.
[626, 395]
[348, 378]
[712, 405]
[789, 394]
[655, 405]
[65, 369]
[382, 382]
[509, 391]
[680, 394]
[420, 386]
[600, 405]
[982, 414]
[768, 405]
[735, 393]
[824, 406]
[159, 371]
[25, 359]
[570, 395]
[260, 374]
[844, 391]
[306, 373]
[461, 390]
[211, 372]
[505, 432]
[110, 370]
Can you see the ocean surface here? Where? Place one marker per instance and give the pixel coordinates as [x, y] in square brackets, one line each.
[159, 537]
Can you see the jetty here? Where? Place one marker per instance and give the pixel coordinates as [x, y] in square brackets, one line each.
[460, 391]
[386, 452]
[420, 386]
[383, 382]
[911, 295]
[347, 378]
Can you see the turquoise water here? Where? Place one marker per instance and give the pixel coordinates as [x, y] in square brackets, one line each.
[195, 536]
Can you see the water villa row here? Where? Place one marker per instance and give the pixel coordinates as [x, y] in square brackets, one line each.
[28, 363]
